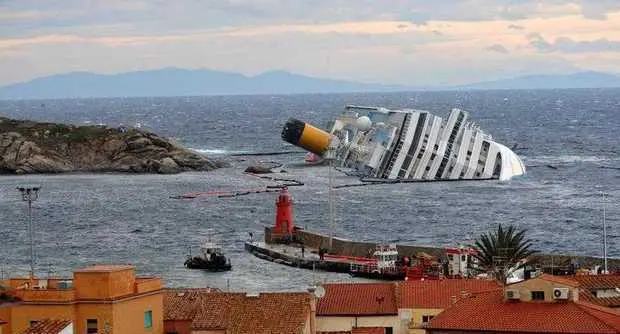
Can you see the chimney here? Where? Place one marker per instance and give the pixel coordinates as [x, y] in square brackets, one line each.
[313, 315]
[252, 294]
[575, 293]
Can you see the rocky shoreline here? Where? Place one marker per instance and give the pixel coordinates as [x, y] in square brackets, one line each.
[28, 147]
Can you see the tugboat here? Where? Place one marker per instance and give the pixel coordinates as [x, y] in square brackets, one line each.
[211, 258]
[385, 264]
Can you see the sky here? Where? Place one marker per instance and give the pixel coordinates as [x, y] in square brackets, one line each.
[409, 42]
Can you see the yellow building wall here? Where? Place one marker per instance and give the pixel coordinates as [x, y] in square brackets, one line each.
[525, 289]
[5, 314]
[22, 314]
[103, 313]
[104, 285]
[129, 314]
[333, 324]
[417, 317]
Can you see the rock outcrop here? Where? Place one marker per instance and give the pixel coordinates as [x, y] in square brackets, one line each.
[29, 147]
[257, 169]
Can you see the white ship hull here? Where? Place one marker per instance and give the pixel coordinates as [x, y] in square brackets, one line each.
[411, 144]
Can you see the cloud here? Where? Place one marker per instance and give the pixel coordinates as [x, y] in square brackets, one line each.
[392, 41]
[497, 48]
[516, 27]
[569, 45]
[149, 17]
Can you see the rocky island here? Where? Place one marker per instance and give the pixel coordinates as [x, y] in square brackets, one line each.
[28, 147]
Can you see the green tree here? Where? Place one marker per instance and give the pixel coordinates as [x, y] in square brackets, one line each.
[500, 253]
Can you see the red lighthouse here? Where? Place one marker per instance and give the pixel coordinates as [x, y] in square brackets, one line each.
[284, 215]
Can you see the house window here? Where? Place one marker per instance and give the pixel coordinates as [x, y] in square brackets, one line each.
[427, 318]
[538, 295]
[148, 319]
[451, 257]
[463, 258]
[389, 330]
[91, 326]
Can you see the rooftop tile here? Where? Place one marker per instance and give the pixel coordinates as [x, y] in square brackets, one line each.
[487, 311]
[47, 326]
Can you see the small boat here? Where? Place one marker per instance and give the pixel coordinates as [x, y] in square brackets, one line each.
[211, 258]
[385, 264]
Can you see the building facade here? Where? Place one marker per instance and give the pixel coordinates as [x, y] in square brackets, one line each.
[545, 304]
[98, 299]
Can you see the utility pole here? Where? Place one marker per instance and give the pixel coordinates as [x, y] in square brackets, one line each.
[30, 194]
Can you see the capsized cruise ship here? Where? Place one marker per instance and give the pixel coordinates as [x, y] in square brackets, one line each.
[407, 144]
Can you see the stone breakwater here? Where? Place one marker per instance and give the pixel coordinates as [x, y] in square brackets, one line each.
[549, 262]
[28, 147]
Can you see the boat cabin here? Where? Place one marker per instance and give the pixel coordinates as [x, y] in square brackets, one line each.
[386, 256]
[209, 249]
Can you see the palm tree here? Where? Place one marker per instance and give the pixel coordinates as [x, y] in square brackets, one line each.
[500, 253]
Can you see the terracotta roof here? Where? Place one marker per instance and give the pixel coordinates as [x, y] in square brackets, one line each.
[565, 280]
[47, 326]
[588, 284]
[182, 304]
[612, 302]
[105, 268]
[487, 311]
[358, 299]
[238, 313]
[439, 293]
[598, 281]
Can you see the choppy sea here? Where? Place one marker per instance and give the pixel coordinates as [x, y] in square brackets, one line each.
[568, 139]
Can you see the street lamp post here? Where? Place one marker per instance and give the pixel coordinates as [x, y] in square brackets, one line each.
[330, 156]
[30, 194]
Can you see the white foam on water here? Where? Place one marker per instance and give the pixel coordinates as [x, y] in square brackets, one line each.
[217, 151]
[563, 159]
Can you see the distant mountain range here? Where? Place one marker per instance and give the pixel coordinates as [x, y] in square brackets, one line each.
[182, 82]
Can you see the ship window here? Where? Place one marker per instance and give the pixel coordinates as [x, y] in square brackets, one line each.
[468, 152]
[538, 295]
[436, 147]
[91, 326]
[428, 168]
[420, 155]
[148, 319]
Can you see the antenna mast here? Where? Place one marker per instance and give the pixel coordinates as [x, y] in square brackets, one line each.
[330, 159]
